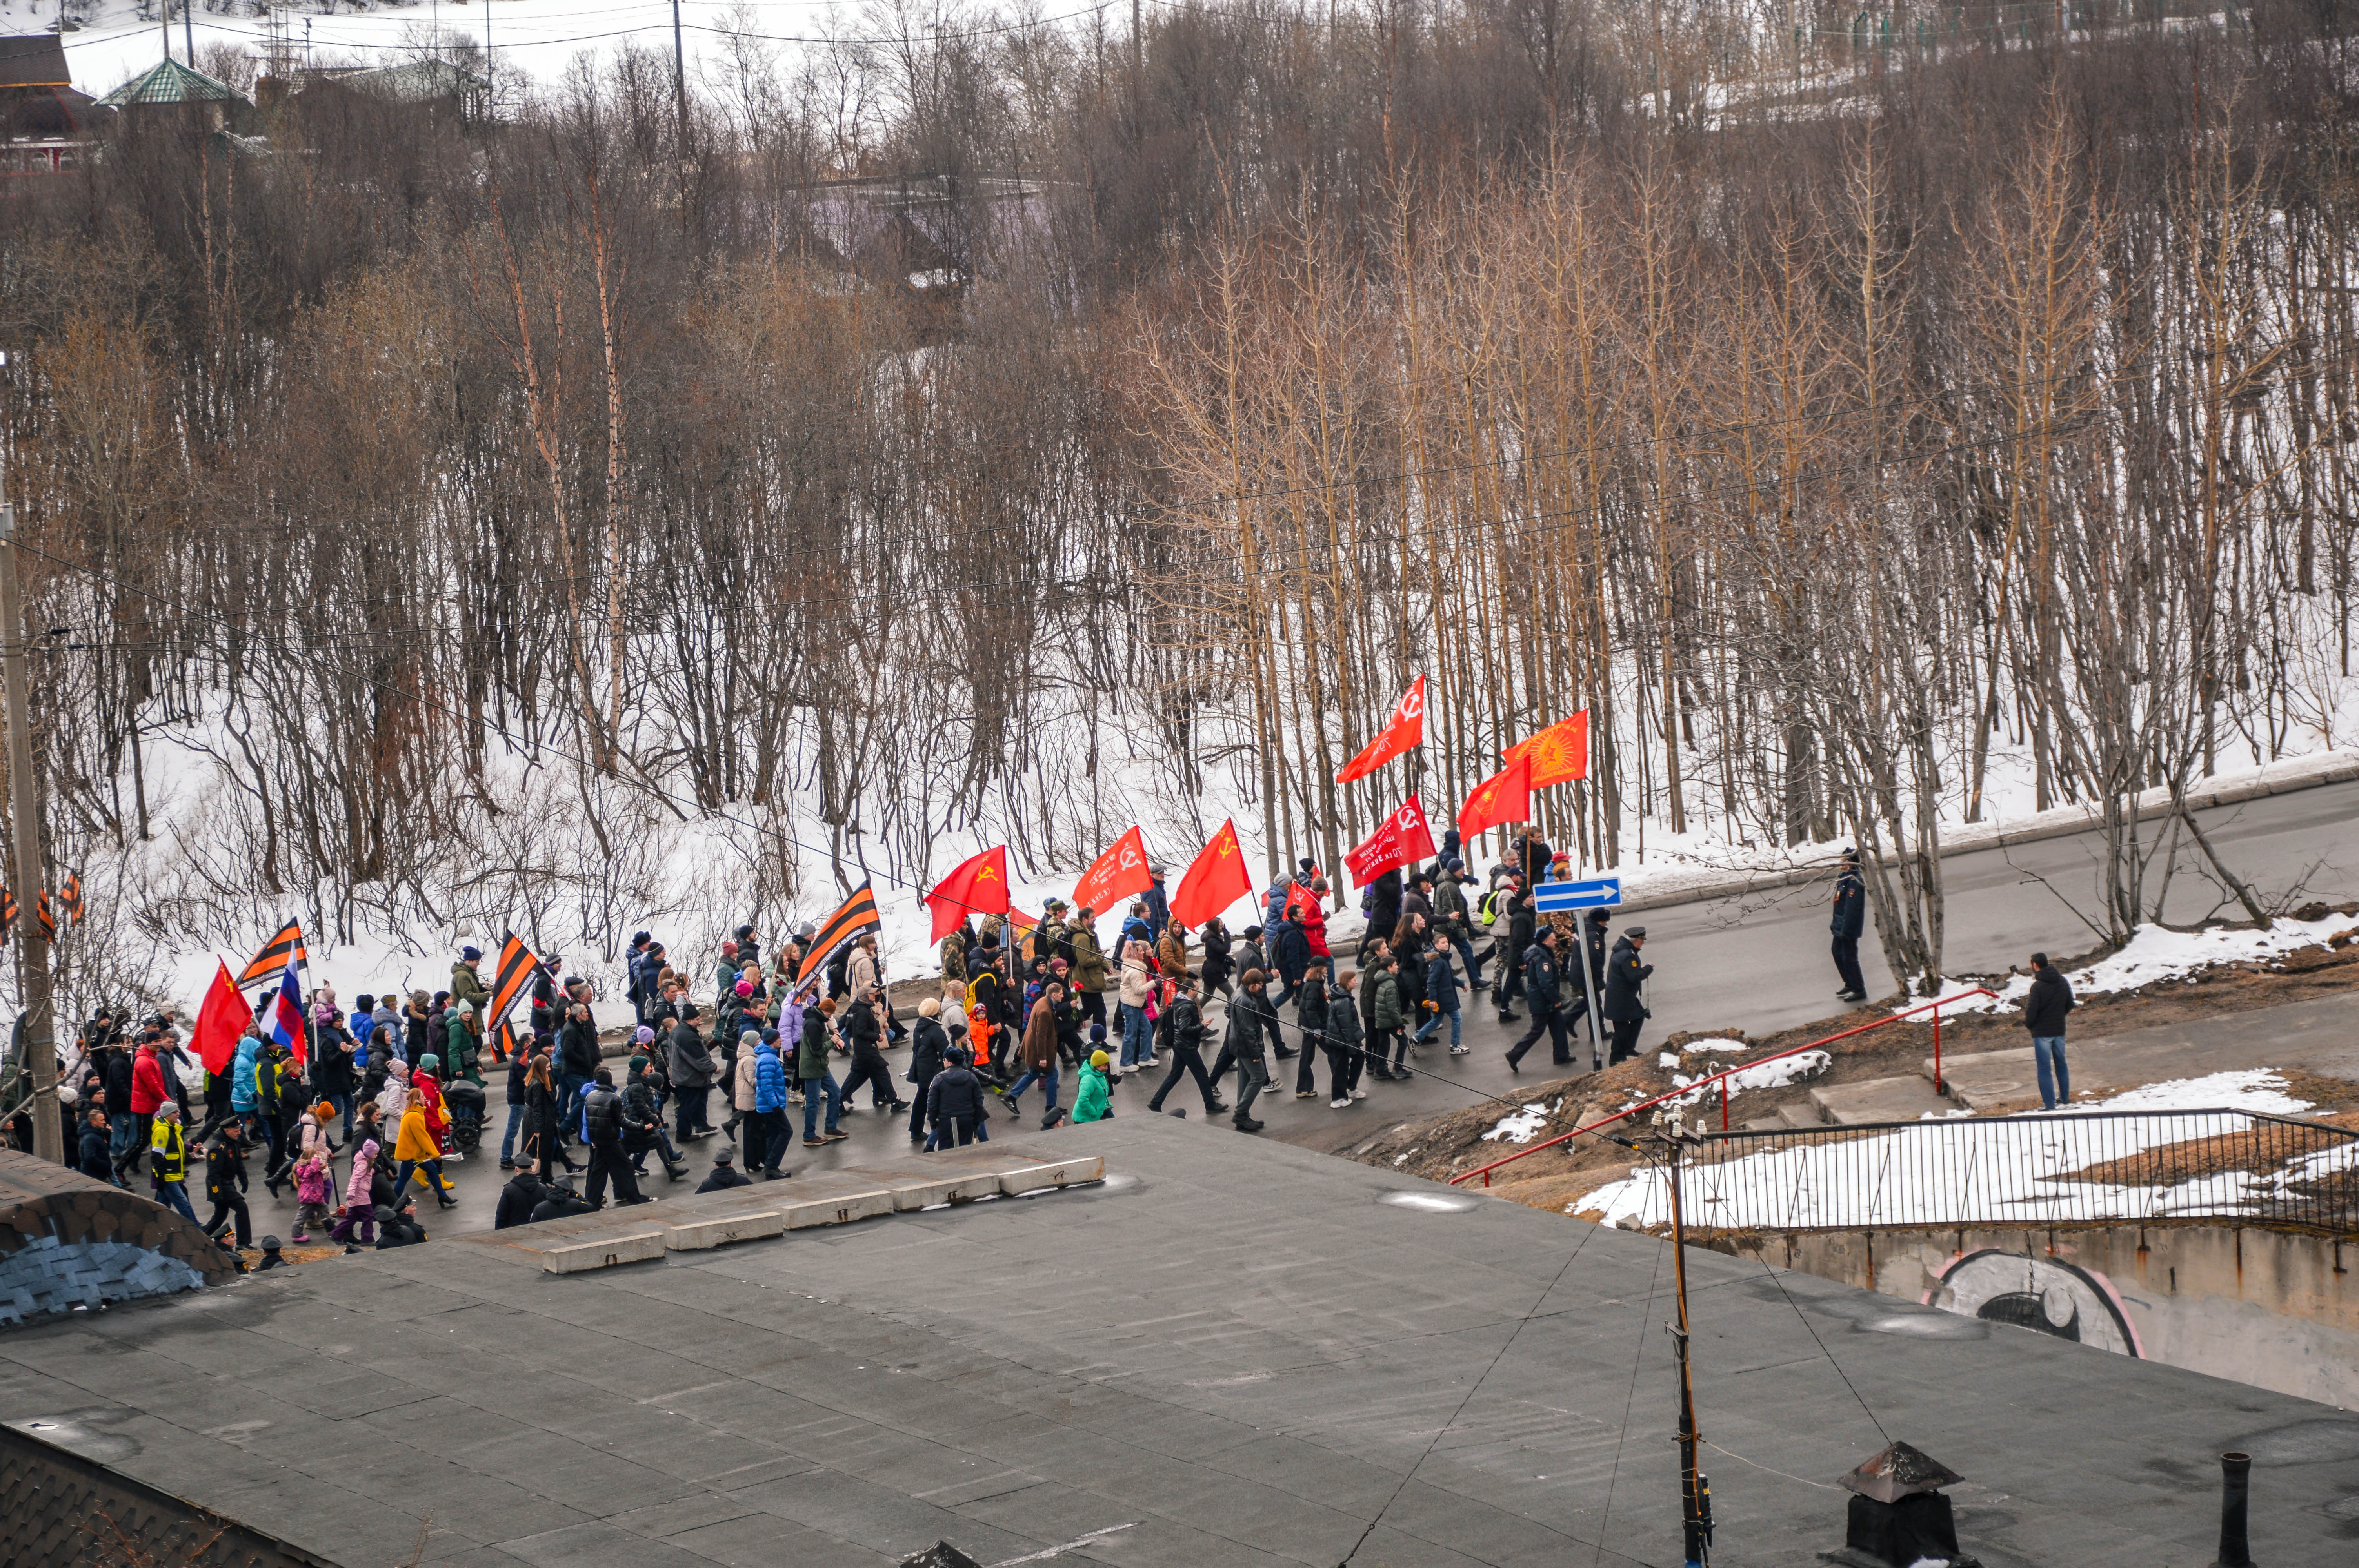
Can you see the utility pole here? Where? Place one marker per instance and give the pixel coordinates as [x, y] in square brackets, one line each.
[40, 1050]
[1695, 1491]
[188, 28]
[680, 77]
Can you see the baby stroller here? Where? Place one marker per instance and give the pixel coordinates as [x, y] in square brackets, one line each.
[465, 1100]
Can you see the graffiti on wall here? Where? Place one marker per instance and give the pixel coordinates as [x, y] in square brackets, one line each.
[2045, 1295]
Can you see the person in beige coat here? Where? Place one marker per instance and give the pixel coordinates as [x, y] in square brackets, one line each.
[1138, 989]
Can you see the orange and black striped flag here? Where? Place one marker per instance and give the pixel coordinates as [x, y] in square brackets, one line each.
[857, 915]
[7, 910]
[48, 917]
[272, 961]
[516, 969]
[70, 898]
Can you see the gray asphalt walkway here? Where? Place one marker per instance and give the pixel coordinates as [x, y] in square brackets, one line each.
[1233, 1352]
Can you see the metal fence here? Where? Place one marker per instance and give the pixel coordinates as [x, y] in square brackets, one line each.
[2089, 1167]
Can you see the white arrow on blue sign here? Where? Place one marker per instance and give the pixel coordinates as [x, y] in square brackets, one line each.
[1598, 893]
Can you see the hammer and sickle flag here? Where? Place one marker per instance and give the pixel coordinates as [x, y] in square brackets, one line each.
[1119, 872]
[979, 886]
[1407, 730]
[1216, 881]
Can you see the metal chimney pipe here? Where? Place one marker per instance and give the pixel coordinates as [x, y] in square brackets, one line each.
[2235, 1493]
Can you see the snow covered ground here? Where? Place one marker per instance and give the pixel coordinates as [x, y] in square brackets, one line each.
[2010, 1171]
[2158, 954]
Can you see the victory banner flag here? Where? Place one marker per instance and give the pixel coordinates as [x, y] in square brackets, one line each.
[1406, 729]
[280, 952]
[979, 886]
[1400, 838]
[1119, 872]
[855, 915]
[1217, 879]
[1559, 753]
[514, 972]
[1505, 796]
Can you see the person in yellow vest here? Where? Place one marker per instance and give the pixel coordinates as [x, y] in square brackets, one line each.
[168, 1165]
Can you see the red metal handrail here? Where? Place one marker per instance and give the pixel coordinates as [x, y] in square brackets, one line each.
[1721, 1079]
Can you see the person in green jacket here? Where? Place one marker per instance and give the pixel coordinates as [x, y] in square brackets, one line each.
[466, 985]
[1089, 965]
[1387, 1041]
[464, 1036]
[1092, 1104]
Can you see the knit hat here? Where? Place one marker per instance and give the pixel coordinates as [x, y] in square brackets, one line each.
[638, 1065]
[644, 1035]
[1099, 1059]
[724, 1156]
[469, 955]
[930, 1008]
[745, 987]
[429, 1064]
[1097, 1032]
[747, 1037]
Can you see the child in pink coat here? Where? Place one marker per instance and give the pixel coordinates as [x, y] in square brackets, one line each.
[312, 1187]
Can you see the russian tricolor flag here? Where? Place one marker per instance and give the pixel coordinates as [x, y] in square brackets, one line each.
[287, 1017]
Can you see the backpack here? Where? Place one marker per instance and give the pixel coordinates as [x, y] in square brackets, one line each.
[1488, 910]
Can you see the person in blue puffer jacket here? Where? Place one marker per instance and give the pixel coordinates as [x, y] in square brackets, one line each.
[771, 1135]
[243, 1098]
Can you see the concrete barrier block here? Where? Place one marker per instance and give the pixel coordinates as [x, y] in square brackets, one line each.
[1031, 1177]
[837, 1209]
[604, 1252]
[702, 1234]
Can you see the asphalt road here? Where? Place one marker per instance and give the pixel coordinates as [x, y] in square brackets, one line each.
[1756, 963]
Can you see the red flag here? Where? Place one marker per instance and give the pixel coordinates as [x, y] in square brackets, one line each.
[1216, 881]
[979, 886]
[1402, 837]
[1119, 872]
[220, 1022]
[1559, 753]
[1407, 730]
[1505, 796]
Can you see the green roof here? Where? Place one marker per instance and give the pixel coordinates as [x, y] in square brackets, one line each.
[172, 82]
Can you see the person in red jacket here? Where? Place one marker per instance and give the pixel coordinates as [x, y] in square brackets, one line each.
[146, 1094]
[1307, 908]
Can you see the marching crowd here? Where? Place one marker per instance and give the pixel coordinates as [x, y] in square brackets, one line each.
[384, 1097]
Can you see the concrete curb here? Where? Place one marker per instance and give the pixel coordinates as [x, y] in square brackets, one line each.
[2328, 768]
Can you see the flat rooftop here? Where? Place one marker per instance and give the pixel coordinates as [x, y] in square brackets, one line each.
[1230, 1351]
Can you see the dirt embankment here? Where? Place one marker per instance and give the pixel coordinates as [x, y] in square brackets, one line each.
[1448, 1145]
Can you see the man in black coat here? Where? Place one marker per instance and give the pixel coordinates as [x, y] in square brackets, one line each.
[1539, 990]
[724, 1174]
[1625, 1007]
[1522, 923]
[577, 1061]
[523, 1193]
[692, 1072]
[1385, 903]
[2043, 1015]
[398, 1227]
[602, 1116]
[559, 1203]
[1850, 919]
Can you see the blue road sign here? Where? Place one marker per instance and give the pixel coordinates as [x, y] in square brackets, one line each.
[1598, 893]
